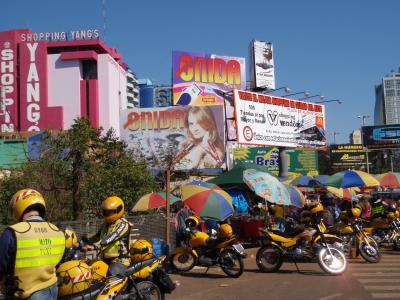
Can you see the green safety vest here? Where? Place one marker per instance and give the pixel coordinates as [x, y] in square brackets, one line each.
[40, 247]
[117, 248]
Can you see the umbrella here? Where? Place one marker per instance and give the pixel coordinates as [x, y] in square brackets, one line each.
[321, 179]
[235, 175]
[152, 201]
[346, 194]
[296, 196]
[267, 186]
[207, 200]
[389, 180]
[351, 178]
[306, 181]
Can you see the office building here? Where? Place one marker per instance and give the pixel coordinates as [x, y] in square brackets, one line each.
[387, 103]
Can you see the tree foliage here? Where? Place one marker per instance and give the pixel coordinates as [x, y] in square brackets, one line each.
[77, 169]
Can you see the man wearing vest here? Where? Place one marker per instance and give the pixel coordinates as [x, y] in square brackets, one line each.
[30, 249]
[113, 236]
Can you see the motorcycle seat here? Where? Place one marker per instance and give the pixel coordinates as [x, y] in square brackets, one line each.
[287, 234]
[89, 294]
[213, 242]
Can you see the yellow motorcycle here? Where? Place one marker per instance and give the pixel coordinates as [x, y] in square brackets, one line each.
[202, 250]
[386, 232]
[306, 243]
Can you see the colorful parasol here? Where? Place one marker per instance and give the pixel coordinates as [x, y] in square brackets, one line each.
[345, 194]
[351, 178]
[207, 200]
[389, 180]
[296, 196]
[267, 186]
[152, 201]
[305, 181]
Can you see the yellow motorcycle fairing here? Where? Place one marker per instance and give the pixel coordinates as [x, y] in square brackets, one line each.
[113, 287]
[226, 243]
[145, 272]
[283, 241]
[180, 250]
[347, 230]
[330, 237]
[368, 230]
[199, 239]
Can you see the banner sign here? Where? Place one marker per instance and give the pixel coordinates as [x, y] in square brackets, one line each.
[381, 137]
[277, 121]
[304, 162]
[262, 65]
[192, 135]
[348, 156]
[206, 79]
[162, 96]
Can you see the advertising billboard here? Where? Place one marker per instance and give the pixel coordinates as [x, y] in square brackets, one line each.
[193, 135]
[206, 79]
[304, 162]
[268, 120]
[262, 65]
[162, 96]
[348, 156]
[381, 137]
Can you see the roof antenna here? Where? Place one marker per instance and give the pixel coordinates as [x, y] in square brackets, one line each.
[103, 8]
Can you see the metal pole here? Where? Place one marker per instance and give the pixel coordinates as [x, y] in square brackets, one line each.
[167, 215]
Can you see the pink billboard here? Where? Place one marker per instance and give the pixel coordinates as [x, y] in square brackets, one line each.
[193, 135]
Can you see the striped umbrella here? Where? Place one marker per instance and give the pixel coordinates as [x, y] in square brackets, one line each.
[296, 196]
[305, 181]
[351, 178]
[152, 201]
[345, 194]
[389, 180]
[207, 200]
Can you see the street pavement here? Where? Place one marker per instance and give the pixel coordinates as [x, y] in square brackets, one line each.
[362, 280]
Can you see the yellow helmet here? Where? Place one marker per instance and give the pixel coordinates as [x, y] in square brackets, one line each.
[225, 231]
[317, 208]
[192, 221]
[24, 199]
[141, 250]
[113, 209]
[70, 237]
[74, 276]
[391, 215]
[356, 211]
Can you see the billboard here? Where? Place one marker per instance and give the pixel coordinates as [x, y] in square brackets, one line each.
[262, 65]
[268, 120]
[205, 79]
[194, 135]
[348, 156]
[162, 96]
[304, 162]
[381, 137]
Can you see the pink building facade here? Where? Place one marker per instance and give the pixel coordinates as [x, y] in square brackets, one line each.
[47, 84]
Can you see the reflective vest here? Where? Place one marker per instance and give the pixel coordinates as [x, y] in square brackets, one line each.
[118, 248]
[40, 247]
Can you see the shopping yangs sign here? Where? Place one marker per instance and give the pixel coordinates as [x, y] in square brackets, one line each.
[276, 121]
[206, 79]
[192, 135]
[348, 156]
[381, 137]
[304, 162]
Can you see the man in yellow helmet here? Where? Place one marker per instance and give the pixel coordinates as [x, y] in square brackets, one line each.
[113, 236]
[30, 249]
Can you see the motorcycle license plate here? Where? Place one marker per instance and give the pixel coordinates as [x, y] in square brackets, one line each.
[238, 247]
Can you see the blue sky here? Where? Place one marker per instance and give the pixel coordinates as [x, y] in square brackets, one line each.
[340, 49]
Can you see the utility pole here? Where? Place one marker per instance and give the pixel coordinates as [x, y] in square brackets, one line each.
[335, 133]
[363, 118]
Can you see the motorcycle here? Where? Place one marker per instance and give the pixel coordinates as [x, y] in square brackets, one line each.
[354, 234]
[222, 249]
[384, 232]
[306, 243]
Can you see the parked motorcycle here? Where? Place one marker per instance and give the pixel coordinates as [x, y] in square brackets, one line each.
[306, 243]
[201, 249]
[386, 231]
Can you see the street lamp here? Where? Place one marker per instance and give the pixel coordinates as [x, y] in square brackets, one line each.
[326, 101]
[363, 117]
[335, 133]
[317, 95]
[305, 94]
[285, 88]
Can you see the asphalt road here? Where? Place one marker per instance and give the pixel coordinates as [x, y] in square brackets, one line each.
[362, 280]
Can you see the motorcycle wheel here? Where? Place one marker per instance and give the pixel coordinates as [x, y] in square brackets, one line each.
[332, 260]
[149, 291]
[231, 263]
[183, 261]
[371, 252]
[269, 258]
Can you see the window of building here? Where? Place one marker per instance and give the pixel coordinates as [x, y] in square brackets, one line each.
[389, 84]
[390, 93]
[397, 84]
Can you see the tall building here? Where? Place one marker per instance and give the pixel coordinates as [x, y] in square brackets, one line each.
[132, 88]
[49, 79]
[355, 137]
[387, 103]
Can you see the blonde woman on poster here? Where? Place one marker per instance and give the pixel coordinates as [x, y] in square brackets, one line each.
[203, 147]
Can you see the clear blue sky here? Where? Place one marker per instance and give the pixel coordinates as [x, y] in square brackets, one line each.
[340, 49]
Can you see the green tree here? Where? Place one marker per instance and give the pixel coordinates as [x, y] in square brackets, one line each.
[77, 169]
